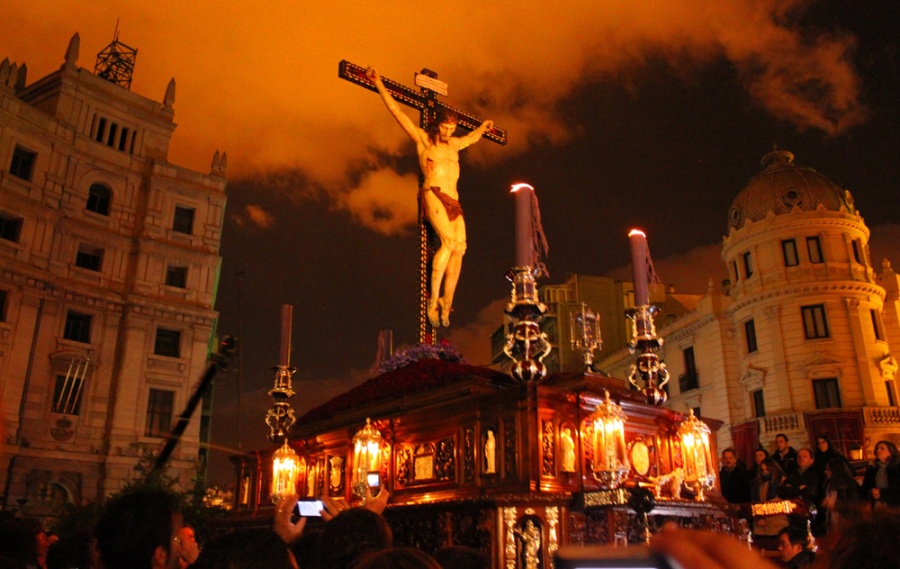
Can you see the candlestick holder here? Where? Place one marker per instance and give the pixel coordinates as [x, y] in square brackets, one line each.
[526, 345]
[280, 416]
[647, 366]
[584, 334]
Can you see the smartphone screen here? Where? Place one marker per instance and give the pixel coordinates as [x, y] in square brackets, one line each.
[310, 508]
[373, 479]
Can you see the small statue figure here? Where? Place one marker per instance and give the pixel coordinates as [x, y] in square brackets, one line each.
[531, 541]
[439, 161]
[311, 481]
[490, 453]
[336, 473]
[567, 446]
[673, 480]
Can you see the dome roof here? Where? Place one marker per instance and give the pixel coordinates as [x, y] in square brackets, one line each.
[782, 186]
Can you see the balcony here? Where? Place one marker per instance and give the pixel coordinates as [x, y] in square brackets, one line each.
[688, 381]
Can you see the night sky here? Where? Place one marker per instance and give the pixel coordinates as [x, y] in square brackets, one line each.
[620, 114]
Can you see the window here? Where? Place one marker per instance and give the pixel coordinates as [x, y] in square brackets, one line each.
[10, 227]
[168, 343]
[789, 250]
[22, 164]
[3, 296]
[88, 257]
[827, 393]
[78, 327]
[124, 139]
[856, 255]
[101, 130]
[759, 403]
[176, 276]
[67, 394]
[159, 413]
[876, 324]
[889, 387]
[814, 249]
[689, 379]
[737, 276]
[184, 220]
[748, 265]
[750, 334]
[98, 199]
[815, 325]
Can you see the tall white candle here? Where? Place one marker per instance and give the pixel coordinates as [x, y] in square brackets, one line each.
[284, 353]
[639, 264]
[524, 225]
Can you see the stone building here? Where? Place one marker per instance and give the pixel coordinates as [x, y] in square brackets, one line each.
[109, 261]
[799, 340]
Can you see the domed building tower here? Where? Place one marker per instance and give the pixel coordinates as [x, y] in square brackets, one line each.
[805, 313]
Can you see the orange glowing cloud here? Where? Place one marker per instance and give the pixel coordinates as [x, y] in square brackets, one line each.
[261, 82]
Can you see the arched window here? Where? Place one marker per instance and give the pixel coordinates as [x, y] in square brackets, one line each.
[98, 200]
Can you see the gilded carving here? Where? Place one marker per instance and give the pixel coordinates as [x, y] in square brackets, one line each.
[469, 455]
[547, 448]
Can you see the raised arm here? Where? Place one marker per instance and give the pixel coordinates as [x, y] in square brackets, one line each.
[406, 123]
[475, 135]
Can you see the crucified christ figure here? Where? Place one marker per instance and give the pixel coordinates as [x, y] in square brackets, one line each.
[438, 152]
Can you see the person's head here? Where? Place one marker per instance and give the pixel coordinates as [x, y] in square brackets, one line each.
[444, 126]
[189, 548]
[397, 558]
[769, 470]
[256, 548]
[760, 455]
[805, 458]
[459, 557]
[729, 458]
[19, 542]
[139, 530]
[70, 551]
[352, 533]
[791, 541]
[885, 451]
[823, 444]
[781, 442]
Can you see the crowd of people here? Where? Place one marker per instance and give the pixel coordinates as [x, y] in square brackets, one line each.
[824, 479]
[855, 522]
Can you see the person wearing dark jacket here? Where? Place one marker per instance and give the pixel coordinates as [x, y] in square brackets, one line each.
[784, 454]
[882, 481]
[825, 451]
[734, 478]
[806, 482]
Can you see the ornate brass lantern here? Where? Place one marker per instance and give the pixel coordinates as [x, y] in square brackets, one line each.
[367, 448]
[285, 472]
[584, 334]
[698, 464]
[611, 464]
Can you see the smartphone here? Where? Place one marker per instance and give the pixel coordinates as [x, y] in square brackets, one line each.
[373, 479]
[609, 557]
[310, 508]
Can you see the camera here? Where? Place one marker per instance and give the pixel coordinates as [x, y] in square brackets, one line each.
[609, 557]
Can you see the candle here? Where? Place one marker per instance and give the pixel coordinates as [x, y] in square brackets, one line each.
[284, 354]
[639, 262]
[524, 225]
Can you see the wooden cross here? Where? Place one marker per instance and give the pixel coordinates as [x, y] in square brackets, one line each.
[425, 101]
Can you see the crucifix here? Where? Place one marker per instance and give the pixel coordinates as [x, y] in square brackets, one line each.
[440, 214]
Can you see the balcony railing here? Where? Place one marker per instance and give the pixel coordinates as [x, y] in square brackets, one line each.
[688, 381]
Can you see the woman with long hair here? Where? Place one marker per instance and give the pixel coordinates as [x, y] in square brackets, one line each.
[842, 493]
[882, 481]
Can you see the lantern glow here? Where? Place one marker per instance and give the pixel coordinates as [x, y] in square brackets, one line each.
[610, 455]
[285, 472]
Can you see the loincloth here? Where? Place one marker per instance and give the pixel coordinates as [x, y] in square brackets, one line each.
[452, 206]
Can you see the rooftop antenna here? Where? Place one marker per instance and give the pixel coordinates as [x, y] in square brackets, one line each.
[116, 62]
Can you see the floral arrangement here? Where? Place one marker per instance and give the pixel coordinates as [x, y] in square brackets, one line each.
[406, 355]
